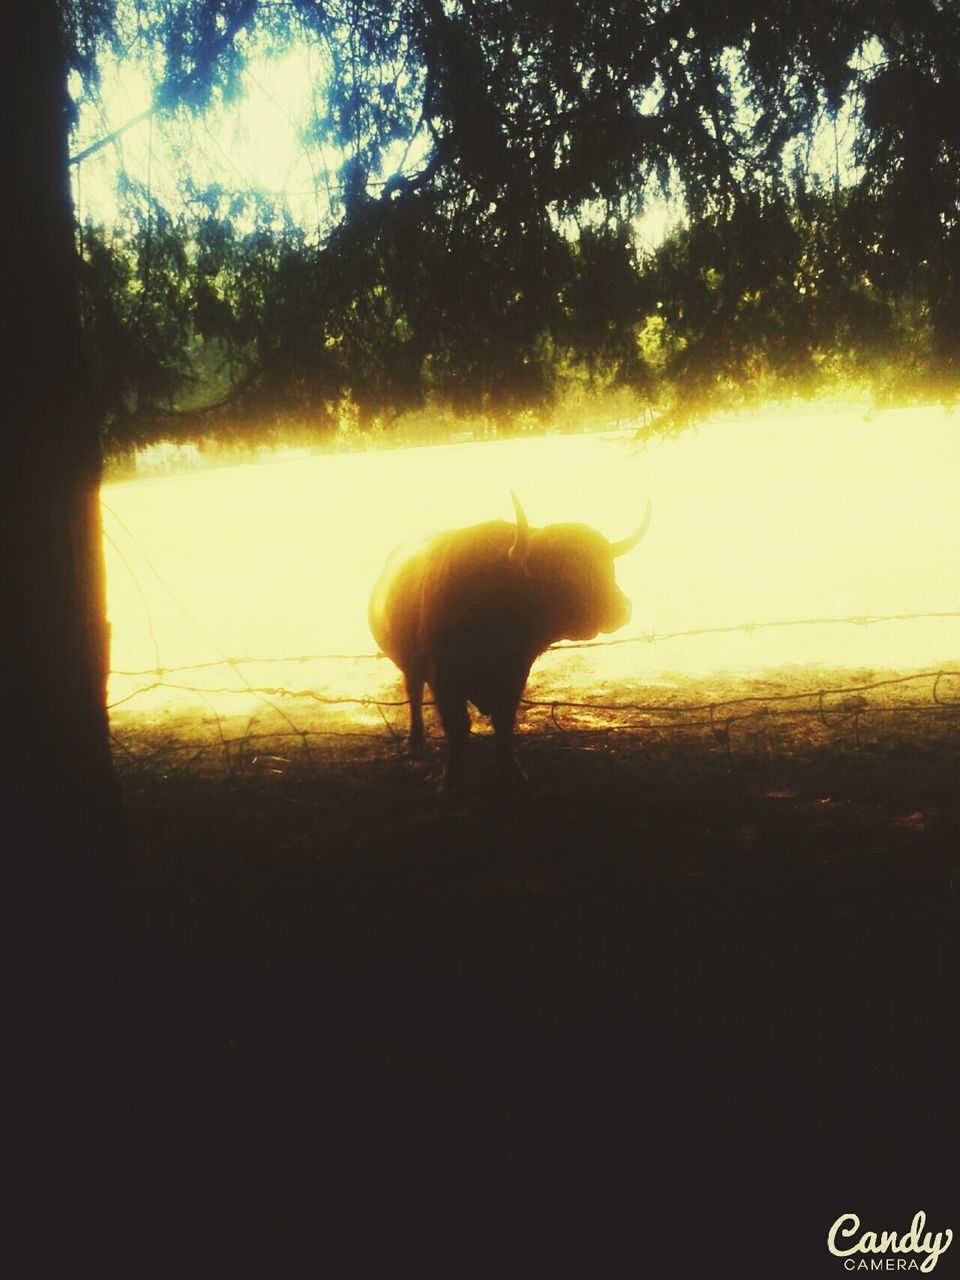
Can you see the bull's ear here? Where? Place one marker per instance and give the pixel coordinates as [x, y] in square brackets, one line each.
[621, 548]
[521, 542]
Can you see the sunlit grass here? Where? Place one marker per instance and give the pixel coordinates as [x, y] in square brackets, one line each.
[754, 520]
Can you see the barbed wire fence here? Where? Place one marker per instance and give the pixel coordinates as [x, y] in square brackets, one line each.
[917, 693]
[931, 691]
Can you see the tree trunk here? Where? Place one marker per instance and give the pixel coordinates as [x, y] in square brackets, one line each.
[64, 832]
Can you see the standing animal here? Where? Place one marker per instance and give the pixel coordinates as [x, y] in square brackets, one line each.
[468, 611]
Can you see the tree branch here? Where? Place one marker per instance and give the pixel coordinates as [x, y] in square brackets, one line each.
[115, 135]
[169, 91]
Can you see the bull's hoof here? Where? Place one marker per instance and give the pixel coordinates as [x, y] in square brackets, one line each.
[511, 775]
[452, 783]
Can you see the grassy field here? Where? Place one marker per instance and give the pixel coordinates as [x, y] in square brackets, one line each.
[669, 1009]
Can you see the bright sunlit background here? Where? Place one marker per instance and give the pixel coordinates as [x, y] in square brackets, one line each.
[755, 520]
[815, 515]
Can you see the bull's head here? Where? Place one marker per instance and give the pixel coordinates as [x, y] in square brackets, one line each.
[521, 542]
[627, 544]
[571, 567]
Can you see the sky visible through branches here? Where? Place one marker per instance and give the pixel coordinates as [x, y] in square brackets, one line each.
[264, 141]
[336, 216]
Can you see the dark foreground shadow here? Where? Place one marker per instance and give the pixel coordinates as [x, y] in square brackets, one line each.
[639, 1020]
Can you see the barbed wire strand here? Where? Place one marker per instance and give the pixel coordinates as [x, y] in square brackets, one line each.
[671, 716]
[667, 708]
[569, 733]
[563, 647]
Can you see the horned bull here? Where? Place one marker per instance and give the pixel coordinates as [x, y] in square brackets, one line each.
[468, 611]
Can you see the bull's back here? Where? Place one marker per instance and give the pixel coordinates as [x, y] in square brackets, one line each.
[439, 592]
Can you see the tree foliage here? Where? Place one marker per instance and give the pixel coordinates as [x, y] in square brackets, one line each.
[479, 248]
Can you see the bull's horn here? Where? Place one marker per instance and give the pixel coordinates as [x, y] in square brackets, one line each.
[621, 548]
[521, 542]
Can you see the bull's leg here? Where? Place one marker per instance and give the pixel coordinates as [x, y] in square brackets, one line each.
[504, 718]
[504, 715]
[455, 719]
[415, 694]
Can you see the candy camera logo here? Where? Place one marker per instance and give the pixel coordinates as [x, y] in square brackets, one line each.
[847, 1242]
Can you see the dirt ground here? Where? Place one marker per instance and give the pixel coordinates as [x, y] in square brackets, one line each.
[669, 1009]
